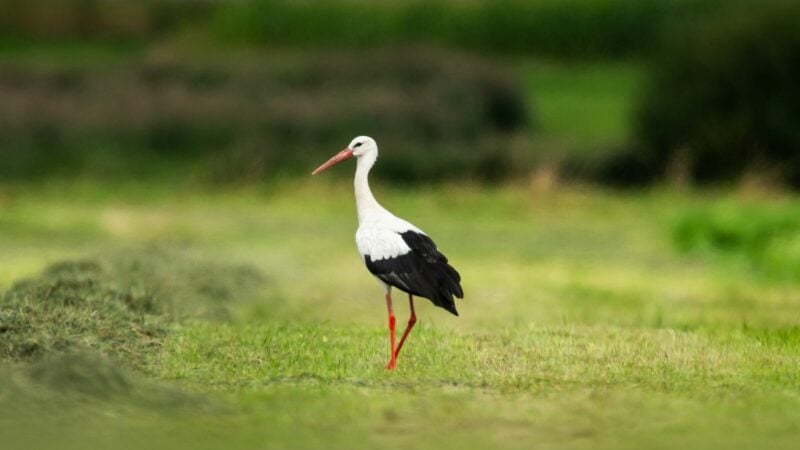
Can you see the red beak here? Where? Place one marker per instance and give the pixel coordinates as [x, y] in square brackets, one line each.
[337, 158]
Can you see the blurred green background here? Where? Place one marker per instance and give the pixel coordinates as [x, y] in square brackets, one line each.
[613, 178]
[620, 92]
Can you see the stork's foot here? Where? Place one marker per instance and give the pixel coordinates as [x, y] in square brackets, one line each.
[392, 364]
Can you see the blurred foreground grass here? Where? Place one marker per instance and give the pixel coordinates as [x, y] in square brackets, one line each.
[582, 326]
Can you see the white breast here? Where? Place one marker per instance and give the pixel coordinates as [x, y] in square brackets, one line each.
[380, 238]
[380, 243]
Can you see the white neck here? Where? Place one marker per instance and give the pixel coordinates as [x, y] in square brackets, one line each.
[365, 201]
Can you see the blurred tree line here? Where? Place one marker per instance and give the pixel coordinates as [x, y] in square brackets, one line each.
[447, 115]
[561, 28]
[721, 99]
[98, 19]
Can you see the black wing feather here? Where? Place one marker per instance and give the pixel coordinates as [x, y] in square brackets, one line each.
[424, 272]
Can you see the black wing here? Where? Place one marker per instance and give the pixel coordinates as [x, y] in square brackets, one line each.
[423, 272]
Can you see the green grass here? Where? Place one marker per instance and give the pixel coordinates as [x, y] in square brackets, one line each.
[582, 326]
[581, 106]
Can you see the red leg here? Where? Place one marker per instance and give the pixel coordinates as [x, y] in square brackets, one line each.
[393, 360]
[411, 321]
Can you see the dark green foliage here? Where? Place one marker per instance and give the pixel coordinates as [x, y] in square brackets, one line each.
[724, 98]
[119, 306]
[580, 28]
[596, 28]
[765, 239]
[439, 113]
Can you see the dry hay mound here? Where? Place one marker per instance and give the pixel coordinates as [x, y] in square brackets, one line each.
[121, 306]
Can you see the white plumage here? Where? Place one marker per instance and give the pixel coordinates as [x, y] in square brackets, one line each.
[380, 243]
[396, 252]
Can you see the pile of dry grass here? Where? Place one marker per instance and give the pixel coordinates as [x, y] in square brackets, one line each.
[121, 306]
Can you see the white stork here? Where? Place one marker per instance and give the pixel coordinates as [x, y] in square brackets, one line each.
[396, 252]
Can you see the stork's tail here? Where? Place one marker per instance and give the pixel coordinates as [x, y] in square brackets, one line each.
[449, 283]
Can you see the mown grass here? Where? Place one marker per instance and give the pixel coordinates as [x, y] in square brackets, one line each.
[116, 305]
[529, 360]
[582, 327]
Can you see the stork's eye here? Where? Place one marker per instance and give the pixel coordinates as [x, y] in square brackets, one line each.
[358, 144]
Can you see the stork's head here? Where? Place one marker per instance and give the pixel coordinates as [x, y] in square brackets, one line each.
[362, 146]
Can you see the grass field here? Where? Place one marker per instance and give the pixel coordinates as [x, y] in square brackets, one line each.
[582, 327]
